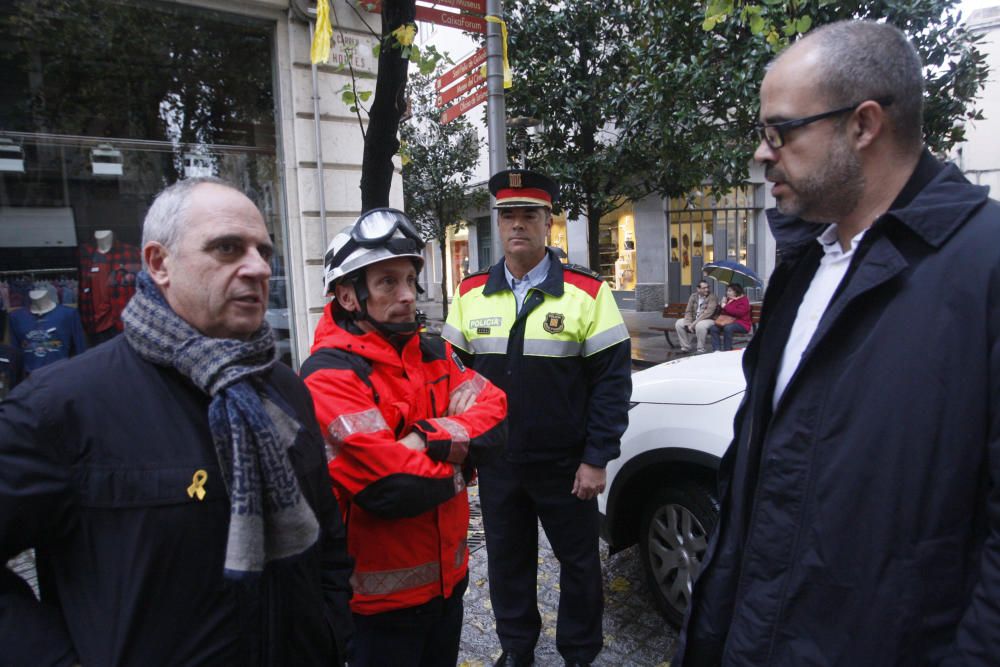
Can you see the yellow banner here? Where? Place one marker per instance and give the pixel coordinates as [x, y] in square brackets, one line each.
[320, 50]
[508, 77]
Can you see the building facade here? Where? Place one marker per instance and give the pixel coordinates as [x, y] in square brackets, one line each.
[103, 103]
[652, 251]
[977, 157]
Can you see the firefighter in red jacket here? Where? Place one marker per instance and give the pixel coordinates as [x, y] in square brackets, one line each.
[405, 421]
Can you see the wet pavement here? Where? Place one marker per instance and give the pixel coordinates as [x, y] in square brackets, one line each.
[635, 635]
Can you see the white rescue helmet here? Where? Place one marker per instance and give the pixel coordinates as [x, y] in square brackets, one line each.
[377, 235]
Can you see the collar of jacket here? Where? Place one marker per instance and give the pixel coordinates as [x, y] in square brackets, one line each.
[934, 203]
[552, 285]
[368, 344]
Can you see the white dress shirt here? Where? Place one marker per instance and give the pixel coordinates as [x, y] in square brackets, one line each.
[825, 282]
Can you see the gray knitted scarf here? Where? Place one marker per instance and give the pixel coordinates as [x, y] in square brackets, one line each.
[268, 519]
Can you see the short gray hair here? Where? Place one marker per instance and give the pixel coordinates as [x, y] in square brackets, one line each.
[865, 60]
[166, 217]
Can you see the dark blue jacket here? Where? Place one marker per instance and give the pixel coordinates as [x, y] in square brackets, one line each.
[97, 455]
[860, 520]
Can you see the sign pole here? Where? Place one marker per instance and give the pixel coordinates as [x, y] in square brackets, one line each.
[496, 111]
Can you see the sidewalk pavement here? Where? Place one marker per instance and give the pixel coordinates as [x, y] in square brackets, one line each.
[635, 635]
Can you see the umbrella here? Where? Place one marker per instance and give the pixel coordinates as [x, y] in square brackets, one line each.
[732, 273]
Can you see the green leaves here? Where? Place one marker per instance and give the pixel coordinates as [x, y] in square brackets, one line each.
[660, 95]
[352, 97]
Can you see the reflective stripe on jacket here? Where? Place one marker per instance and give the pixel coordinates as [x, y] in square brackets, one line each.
[564, 360]
[407, 511]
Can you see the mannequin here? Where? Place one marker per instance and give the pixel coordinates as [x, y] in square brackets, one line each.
[45, 331]
[105, 238]
[41, 301]
[108, 269]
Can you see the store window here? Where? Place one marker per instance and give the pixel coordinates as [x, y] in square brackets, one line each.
[558, 239]
[104, 103]
[705, 226]
[616, 243]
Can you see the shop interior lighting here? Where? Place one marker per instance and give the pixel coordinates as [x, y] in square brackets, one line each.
[106, 160]
[197, 165]
[11, 156]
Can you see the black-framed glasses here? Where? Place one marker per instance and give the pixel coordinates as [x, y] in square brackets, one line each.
[774, 134]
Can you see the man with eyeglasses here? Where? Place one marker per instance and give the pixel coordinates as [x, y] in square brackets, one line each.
[860, 517]
[405, 421]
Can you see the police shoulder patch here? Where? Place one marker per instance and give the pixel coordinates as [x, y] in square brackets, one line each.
[583, 270]
[480, 272]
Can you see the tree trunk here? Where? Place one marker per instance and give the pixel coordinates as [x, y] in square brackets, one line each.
[388, 105]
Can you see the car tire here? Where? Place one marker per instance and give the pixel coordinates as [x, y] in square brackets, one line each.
[674, 530]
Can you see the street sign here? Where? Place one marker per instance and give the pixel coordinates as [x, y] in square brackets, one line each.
[474, 6]
[461, 88]
[461, 69]
[465, 104]
[451, 19]
[441, 17]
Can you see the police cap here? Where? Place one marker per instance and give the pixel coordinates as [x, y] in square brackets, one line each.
[521, 187]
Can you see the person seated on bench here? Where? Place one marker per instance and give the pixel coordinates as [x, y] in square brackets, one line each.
[701, 308]
[735, 318]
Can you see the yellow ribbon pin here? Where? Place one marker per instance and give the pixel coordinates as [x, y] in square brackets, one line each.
[198, 485]
[508, 77]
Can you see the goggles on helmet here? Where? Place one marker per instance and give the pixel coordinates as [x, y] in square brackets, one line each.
[376, 228]
[379, 224]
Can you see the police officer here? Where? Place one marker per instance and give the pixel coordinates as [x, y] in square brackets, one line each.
[550, 336]
[402, 415]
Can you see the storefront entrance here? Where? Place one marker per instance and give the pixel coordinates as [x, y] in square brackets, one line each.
[102, 105]
[705, 226]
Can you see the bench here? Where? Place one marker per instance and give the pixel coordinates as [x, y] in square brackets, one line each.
[675, 311]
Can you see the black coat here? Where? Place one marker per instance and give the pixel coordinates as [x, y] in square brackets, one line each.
[860, 520]
[97, 455]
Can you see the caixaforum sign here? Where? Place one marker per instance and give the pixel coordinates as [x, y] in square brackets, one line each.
[451, 19]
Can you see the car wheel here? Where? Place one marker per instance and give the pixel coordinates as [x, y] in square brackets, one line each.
[676, 523]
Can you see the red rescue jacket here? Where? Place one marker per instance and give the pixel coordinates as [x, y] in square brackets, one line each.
[407, 511]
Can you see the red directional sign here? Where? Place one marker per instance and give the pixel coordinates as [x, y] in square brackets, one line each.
[461, 69]
[451, 19]
[461, 88]
[465, 104]
[448, 19]
[474, 6]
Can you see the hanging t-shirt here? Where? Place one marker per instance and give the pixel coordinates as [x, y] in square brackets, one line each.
[47, 338]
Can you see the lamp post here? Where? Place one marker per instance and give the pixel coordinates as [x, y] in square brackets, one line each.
[521, 125]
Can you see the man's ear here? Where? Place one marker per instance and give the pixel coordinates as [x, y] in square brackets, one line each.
[868, 124]
[346, 297]
[157, 261]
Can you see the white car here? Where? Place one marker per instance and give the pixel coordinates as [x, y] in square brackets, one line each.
[661, 492]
